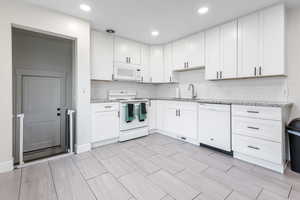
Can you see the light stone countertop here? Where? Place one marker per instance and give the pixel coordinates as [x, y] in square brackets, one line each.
[214, 101]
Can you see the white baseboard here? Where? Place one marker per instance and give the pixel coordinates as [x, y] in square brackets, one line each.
[6, 166]
[105, 142]
[269, 165]
[83, 148]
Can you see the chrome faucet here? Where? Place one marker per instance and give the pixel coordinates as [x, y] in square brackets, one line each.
[192, 86]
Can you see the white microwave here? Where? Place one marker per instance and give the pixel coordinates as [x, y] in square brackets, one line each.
[127, 72]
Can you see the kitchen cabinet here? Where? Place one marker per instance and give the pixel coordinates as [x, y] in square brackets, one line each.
[261, 43]
[152, 111]
[105, 121]
[127, 51]
[156, 64]
[160, 114]
[168, 64]
[221, 52]
[258, 135]
[214, 123]
[181, 119]
[145, 68]
[189, 52]
[101, 56]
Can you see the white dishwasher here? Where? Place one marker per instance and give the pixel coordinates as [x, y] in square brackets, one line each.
[215, 125]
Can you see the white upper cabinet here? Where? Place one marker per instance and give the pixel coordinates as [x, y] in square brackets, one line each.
[248, 45]
[272, 60]
[145, 68]
[127, 51]
[168, 63]
[101, 56]
[156, 64]
[261, 43]
[189, 52]
[221, 52]
[212, 53]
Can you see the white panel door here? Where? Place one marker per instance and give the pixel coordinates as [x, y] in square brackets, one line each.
[145, 69]
[272, 41]
[188, 121]
[195, 50]
[168, 63]
[152, 114]
[228, 47]
[248, 45]
[212, 53]
[160, 114]
[157, 64]
[105, 125]
[102, 51]
[41, 98]
[179, 54]
[127, 51]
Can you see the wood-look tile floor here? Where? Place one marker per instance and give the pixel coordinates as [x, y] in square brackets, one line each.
[155, 167]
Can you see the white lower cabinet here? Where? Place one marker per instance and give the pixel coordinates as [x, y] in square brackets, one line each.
[181, 120]
[214, 126]
[259, 136]
[152, 110]
[105, 121]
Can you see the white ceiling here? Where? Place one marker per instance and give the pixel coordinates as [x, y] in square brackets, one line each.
[135, 19]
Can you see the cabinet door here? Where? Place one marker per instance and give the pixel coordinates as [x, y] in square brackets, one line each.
[145, 68]
[195, 50]
[105, 125]
[214, 126]
[101, 56]
[248, 45]
[188, 121]
[272, 41]
[168, 63]
[172, 120]
[228, 47]
[179, 54]
[212, 53]
[152, 115]
[160, 115]
[125, 49]
[157, 64]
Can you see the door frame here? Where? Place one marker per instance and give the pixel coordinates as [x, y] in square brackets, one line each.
[19, 74]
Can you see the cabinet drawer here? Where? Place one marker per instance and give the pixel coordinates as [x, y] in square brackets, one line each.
[262, 149]
[103, 107]
[259, 128]
[257, 112]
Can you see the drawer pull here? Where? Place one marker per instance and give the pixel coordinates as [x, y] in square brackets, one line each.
[252, 111]
[107, 107]
[252, 147]
[254, 128]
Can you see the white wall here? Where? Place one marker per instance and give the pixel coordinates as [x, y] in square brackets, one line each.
[293, 59]
[100, 89]
[14, 12]
[270, 89]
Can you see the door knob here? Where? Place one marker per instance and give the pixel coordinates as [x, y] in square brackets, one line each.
[58, 114]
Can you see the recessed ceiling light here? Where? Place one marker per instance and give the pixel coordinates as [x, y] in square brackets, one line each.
[85, 7]
[154, 33]
[203, 10]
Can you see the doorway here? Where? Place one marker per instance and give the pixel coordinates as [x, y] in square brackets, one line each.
[42, 84]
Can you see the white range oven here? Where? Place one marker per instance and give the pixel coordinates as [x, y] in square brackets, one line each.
[134, 128]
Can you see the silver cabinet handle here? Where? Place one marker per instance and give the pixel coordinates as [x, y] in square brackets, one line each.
[212, 139]
[221, 74]
[255, 71]
[107, 107]
[187, 64]
[217, 75]
[259, 71]
[129, 59]
[252, 147]
[170, 78]
[176, 112]
[179, 113]
[254, 128]
[252, 111]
